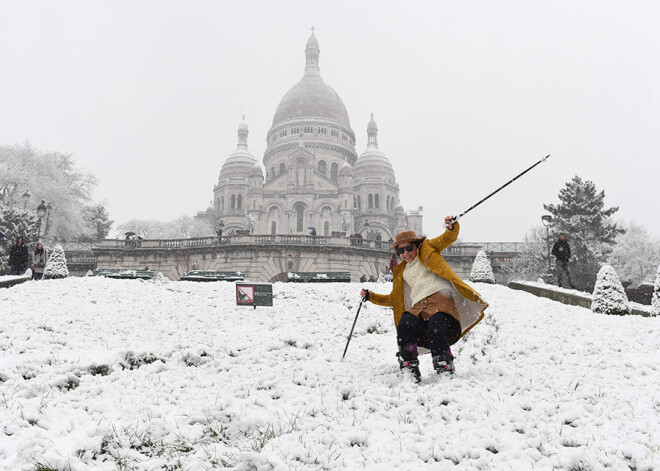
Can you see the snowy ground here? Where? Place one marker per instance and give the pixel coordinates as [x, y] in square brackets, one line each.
[147, 375]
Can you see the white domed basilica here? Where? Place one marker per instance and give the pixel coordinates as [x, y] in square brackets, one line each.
[313, 177]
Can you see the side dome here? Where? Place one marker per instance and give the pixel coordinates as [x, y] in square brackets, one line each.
[373, 162]
[256, 171]
[311, 97]
[241, 162]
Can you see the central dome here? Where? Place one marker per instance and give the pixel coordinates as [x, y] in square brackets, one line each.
[311, 97]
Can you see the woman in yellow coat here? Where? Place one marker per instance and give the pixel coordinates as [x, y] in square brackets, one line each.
[433, 308]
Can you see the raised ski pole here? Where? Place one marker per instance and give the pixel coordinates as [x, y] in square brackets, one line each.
[354, 322]
[500, 188]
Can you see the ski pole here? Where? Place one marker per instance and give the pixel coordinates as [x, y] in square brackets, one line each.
[354, 322]
[500, 188]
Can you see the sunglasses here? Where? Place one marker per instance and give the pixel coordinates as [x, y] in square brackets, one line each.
[407, 248]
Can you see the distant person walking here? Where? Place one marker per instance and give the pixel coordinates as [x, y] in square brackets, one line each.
[18, 258]
[393, 263]
[562, 252]
[39, 263]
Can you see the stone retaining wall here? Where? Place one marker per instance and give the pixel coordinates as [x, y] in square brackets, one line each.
[574, 298]
[9, 281]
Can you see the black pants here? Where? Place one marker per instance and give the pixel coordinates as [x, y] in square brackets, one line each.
[441, 330]
[563, 270]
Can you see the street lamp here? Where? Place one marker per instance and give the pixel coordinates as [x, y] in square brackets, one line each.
[546, 218]
[42, 209]
[26, 198]
[48, 211]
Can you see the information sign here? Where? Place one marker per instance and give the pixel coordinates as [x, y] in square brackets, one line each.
[254, 294]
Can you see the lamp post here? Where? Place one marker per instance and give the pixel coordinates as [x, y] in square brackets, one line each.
[48, 210]
[42, 209]
[26, 198]
[546, 218]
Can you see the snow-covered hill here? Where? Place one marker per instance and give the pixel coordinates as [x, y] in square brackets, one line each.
[126, 374]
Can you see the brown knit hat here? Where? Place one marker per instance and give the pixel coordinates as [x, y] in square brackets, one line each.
[406, 236]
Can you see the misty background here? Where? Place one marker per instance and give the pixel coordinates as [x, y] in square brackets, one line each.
[148, 96]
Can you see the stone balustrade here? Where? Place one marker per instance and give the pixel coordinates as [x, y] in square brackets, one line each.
[459, 248]
[265, 257]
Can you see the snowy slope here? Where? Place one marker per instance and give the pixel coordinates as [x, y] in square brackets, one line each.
[127, 374]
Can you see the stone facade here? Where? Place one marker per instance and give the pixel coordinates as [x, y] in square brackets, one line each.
[269, 258]
[313, 176]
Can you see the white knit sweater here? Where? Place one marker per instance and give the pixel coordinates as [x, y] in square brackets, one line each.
[423, 282]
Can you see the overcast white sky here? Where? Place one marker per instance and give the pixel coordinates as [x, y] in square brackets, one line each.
[148, 95]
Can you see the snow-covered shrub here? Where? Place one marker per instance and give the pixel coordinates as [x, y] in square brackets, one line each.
[160, 279]
[56, 266]
[481, 269]
[609, 296]
[655, 301]
[133, 361]
[103, 370]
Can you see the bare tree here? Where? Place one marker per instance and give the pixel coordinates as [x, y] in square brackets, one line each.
[635, 255]
[49, 176]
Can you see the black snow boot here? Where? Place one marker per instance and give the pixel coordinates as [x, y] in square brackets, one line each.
[409, 362]
[443, 364]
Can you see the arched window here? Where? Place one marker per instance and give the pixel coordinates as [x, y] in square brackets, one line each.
[371, 201]
[233, 201]
[239, 200]
[387, 201]
[282, 168]
[358, 202]
[326, 228]
[273, 228]
[299, 208]
[321, 167]
[377, 200]
[301, 177]
[334, 171]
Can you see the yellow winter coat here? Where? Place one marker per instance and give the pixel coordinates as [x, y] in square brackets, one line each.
[469, 303]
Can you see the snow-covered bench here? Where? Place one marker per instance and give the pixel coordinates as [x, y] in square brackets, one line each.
[319, 277]
[122, 273]
[210, 275]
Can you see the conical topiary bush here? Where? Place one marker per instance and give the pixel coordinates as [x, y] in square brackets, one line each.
[609, 296]
[655, 302]
[56, 266]
[481, 270]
